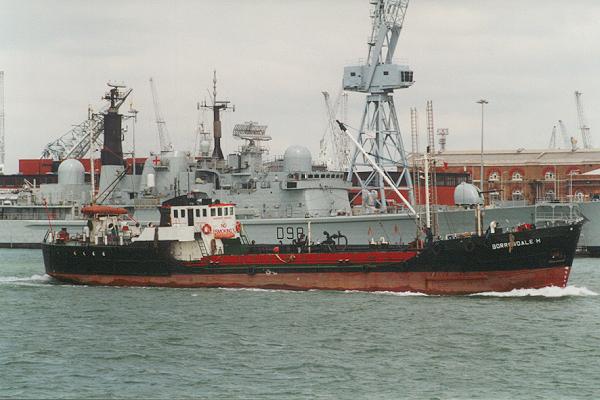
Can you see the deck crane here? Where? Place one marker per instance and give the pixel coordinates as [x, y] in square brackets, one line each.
[583, 126]
[163, 133]
[379, 132]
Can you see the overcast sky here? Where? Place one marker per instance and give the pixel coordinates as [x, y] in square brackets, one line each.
[274, 58]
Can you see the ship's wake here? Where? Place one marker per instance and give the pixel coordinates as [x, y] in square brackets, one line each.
[32, 280]
[550, 291]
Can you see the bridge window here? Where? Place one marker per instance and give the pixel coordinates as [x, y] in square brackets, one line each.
[213, 212]
[226, 211]
[220, 212]
[230, 210]
[176, 213]
[182, 213]
[204, 212]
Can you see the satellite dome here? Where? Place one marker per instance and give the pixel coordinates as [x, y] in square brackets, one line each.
[297, 159]
[71, 172]
[204, 146]
[467, 194]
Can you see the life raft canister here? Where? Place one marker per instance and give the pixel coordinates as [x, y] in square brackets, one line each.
[238, 226]
[206, 229]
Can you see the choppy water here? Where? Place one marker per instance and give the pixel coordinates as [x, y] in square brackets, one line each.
[62, 341]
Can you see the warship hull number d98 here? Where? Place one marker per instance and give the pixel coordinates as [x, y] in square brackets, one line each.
[288, 232]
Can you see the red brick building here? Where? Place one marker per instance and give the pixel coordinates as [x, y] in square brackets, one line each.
[530, 175]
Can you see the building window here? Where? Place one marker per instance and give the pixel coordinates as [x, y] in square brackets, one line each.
[549, 176]
[550, 195]
[204, 212]
[516, 176]
[213, 212]
[352, 73]
[220, 212]
[386, 73]
[494, 177]
[517, 195]
[579, 196]
[197, 212]
[182, 213]
[175, 213]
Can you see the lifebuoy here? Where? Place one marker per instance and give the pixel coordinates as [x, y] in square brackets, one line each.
[206, 229]
[238, 226]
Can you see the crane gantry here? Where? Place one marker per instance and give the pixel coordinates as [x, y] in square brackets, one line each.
[379, 132]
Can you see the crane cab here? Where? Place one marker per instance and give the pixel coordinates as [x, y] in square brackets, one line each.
[386, 77]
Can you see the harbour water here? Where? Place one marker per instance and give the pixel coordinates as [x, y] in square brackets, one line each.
[63, 341]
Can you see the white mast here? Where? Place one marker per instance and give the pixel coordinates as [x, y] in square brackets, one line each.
[92, 171]
[1, 122]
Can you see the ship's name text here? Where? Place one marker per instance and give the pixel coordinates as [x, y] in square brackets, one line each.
[516, 243]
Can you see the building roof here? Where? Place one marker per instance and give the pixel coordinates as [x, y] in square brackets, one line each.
[521, 157]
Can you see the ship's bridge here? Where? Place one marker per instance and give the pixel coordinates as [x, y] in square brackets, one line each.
[217, 219]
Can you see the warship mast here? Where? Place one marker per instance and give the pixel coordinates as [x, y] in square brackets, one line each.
[216, 107]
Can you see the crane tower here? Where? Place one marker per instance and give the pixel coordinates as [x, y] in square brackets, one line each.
[583, 126]
[163, 133]
[379, 132]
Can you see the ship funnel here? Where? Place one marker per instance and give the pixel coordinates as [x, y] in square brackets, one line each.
[112, 152]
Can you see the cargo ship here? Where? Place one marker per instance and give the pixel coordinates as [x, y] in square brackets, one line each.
[201, 243]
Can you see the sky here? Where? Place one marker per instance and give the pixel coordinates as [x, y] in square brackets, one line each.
[275, 57]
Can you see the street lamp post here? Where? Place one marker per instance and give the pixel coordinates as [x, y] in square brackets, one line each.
[483, 102]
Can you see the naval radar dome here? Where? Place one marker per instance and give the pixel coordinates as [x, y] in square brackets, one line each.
[297, 159]
[71, 172]
[467, 194]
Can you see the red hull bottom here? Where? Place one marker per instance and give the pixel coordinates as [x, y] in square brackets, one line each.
[422, 282]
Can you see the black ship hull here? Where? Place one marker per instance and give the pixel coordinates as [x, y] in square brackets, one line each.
[498, 262]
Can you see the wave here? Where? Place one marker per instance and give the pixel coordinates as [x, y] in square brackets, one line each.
[261, 290]
[385, 292]
[550, 291]
[24, 280]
